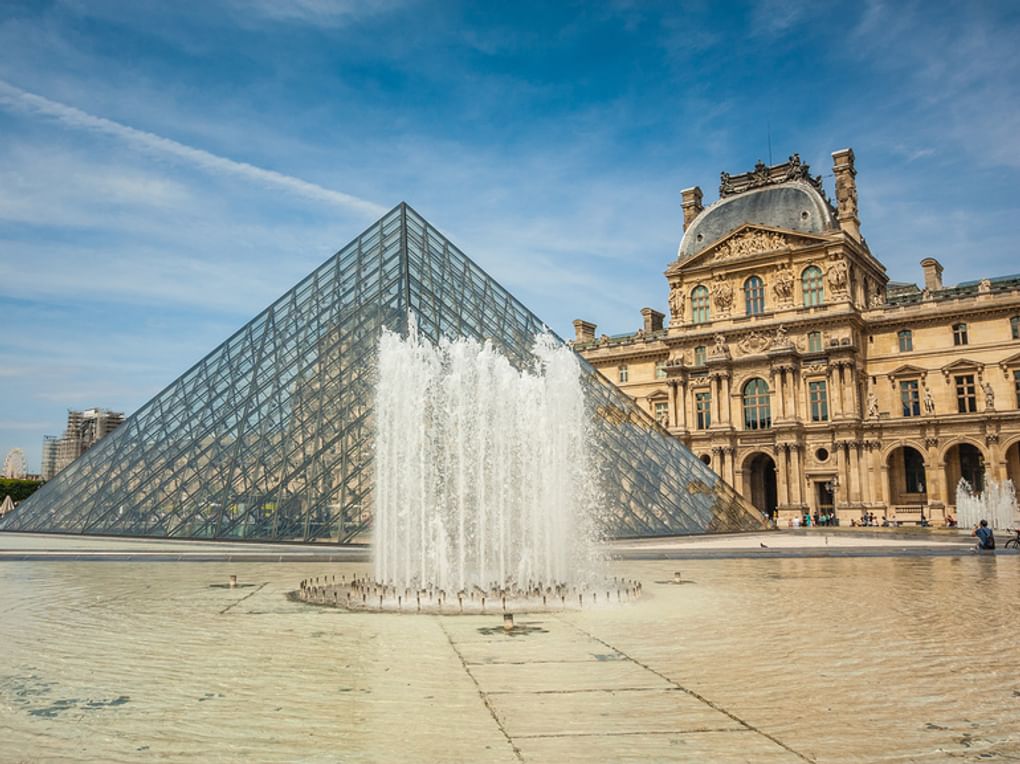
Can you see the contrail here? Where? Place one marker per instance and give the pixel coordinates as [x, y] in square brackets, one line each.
[15, 99]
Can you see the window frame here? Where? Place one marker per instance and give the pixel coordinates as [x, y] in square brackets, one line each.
[661, 415]
[660, 370]
[910, 397]
[1014, 327]
[812, 345]
[701, 305]
[703, 409]
[757, 404]
[818, 400]
[754, 295]
[966, 393]
[961, 336]
[1016, 385]
[908, 336]
[700, 356]
[622, 373]
[812, 286]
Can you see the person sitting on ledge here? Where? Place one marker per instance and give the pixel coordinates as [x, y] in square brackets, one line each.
[950, 522]
[986, 539]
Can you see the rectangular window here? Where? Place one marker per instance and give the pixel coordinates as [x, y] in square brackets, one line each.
[814, 342]
[910, 397]
[661, 412]
[699, 355]
[818, 395]
[703, 409]
[966, 394]
[1014, 327]
[959, 334]
[906, 338]
[624, 373]
[1016, 383]
[660, 369]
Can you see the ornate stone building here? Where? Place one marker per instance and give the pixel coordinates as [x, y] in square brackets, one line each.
[802, 375]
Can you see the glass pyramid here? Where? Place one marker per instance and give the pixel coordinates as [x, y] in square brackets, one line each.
[270, 436]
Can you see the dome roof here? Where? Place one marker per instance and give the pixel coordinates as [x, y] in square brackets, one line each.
[795, 206]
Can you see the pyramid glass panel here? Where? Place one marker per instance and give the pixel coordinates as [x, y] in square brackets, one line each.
[270, 436]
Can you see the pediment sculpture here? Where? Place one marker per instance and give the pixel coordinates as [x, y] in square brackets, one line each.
[749, 243]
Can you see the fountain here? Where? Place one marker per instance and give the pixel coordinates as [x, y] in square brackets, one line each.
[485, 494]
[996, 504]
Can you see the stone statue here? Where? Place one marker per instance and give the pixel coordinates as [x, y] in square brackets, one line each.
[872, 406]
[782, 286]
[929, 401]
[780, 339]
[676, 304]
[720, 344]
[838, 273]
[722, 296]
[989, 396]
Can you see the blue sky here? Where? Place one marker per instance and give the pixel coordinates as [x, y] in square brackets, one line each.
[168, 169]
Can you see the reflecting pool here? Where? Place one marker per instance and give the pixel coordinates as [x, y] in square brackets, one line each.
[779, 660]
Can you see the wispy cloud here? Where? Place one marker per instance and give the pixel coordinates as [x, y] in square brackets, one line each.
[22, 101]
[329, 13]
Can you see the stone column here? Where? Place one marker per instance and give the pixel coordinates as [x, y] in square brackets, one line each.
[835, 391]
[725, 384]
[798, 391]
[782, 476]
[731, 469]
[796, 476]
[842, 489]
[854, 473]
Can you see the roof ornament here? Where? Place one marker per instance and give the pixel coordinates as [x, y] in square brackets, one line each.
[768, 175]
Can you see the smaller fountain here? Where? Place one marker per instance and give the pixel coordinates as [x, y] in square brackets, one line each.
[996, 504]
[363, 593]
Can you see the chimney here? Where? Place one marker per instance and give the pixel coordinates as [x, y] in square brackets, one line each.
[584, 331]
[932, 274]
[846, 191]
[691, 203]
[653, 320]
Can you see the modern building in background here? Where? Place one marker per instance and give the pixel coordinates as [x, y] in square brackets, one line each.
[84, 429]
[50, 450]
[810, 382]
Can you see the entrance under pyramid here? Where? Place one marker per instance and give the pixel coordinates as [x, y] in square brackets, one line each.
[270, 437]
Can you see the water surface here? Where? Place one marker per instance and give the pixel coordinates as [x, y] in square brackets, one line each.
[830, 660]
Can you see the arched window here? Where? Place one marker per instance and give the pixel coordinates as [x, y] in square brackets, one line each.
[754, 296]
[699, 355]
[814, 290]
[757, 413]
[700, 312]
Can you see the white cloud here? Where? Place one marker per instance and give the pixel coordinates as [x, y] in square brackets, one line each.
[22, 101]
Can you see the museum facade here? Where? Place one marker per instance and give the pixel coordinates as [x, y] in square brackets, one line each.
[802, 375]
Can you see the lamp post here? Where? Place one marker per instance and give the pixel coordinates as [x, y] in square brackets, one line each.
[832, 486]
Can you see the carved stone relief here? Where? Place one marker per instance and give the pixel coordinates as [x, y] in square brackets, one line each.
[782, 286]
[838, 275]
[722, 296]
[676, 303]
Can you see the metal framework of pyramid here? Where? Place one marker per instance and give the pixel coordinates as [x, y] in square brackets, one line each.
[270, 436]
